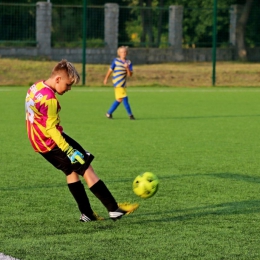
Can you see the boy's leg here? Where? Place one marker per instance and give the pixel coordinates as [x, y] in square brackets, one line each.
[119, 93]
[60, 160]
[78, 192]
[127, 107]
[112, 108]
[100, 190]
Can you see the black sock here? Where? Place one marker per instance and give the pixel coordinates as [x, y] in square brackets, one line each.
[78, 191]
[101, 191]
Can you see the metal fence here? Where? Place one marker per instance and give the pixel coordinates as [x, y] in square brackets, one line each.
[17, 24]
[197, 27]
[138, 27]
[143, 27]
[67, 26]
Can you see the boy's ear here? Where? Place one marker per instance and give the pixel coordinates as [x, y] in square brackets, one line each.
[57, 78]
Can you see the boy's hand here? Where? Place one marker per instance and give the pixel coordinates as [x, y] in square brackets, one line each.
[107, 76]
[74, 155]
[126, 65]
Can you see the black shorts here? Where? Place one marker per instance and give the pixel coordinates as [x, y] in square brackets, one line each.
[60, 160]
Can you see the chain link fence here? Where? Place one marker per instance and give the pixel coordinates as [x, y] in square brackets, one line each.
[197, 27]
[67, 26]
[138, 27]
[17, 25]
[143, 27]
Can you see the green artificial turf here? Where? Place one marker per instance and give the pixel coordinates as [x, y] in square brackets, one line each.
[203, 144]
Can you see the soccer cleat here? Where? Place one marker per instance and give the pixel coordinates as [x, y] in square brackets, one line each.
[128, 207]
[109, 116]
[132, 117]
[123, 209]
[94, 217]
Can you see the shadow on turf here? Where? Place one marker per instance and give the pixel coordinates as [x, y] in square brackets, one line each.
[233, 176]
[223, 209]
[228, 208]
[224, 175]
[236, 176]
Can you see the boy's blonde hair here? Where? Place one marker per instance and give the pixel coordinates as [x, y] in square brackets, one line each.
[122, 47]
[66, 66]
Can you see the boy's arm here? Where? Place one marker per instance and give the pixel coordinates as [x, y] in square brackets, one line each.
[107, 75]
[51, 128]
[129, 72]
[129, 68]
[73, 154]
[51, 125]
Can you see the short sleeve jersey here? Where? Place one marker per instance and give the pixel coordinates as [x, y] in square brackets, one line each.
[119, 72]
[42, 118]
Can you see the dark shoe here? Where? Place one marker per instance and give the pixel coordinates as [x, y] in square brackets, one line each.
[94, 217]
[109, 116]
[132, 117]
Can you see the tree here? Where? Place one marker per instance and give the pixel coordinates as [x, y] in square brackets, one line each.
[240, 30]
[146, 20]
[161, 2]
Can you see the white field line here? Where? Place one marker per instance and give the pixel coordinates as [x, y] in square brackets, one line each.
[6, 257]
[168, 90]
[149, 90]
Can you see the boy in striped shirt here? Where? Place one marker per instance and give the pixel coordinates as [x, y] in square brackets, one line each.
[121, 68]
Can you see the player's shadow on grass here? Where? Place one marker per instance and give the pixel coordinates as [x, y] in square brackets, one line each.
[228, 208]
[222, 175]
[233, 176]
[221, 209]
[236, 176]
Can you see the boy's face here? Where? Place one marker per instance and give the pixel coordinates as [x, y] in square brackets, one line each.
[122, 52]
[62, 83]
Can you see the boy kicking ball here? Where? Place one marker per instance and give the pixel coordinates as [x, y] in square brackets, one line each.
[48, 139]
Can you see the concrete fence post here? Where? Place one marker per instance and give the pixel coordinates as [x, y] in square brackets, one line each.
[175, 30]
[43, 28]
[235, 12]
[111, 26]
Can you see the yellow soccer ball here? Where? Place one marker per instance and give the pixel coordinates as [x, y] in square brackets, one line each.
[146, 185]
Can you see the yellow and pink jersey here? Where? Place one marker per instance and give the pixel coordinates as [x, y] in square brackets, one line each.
[42, 119]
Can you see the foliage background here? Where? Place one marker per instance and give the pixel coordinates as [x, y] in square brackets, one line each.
[141, 23]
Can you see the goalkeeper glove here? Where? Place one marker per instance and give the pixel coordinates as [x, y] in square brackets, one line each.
[74, 155]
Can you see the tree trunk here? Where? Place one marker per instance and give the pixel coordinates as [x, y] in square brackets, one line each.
[146, 20]
[142, 12]
[159, 27]
[240, 31]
